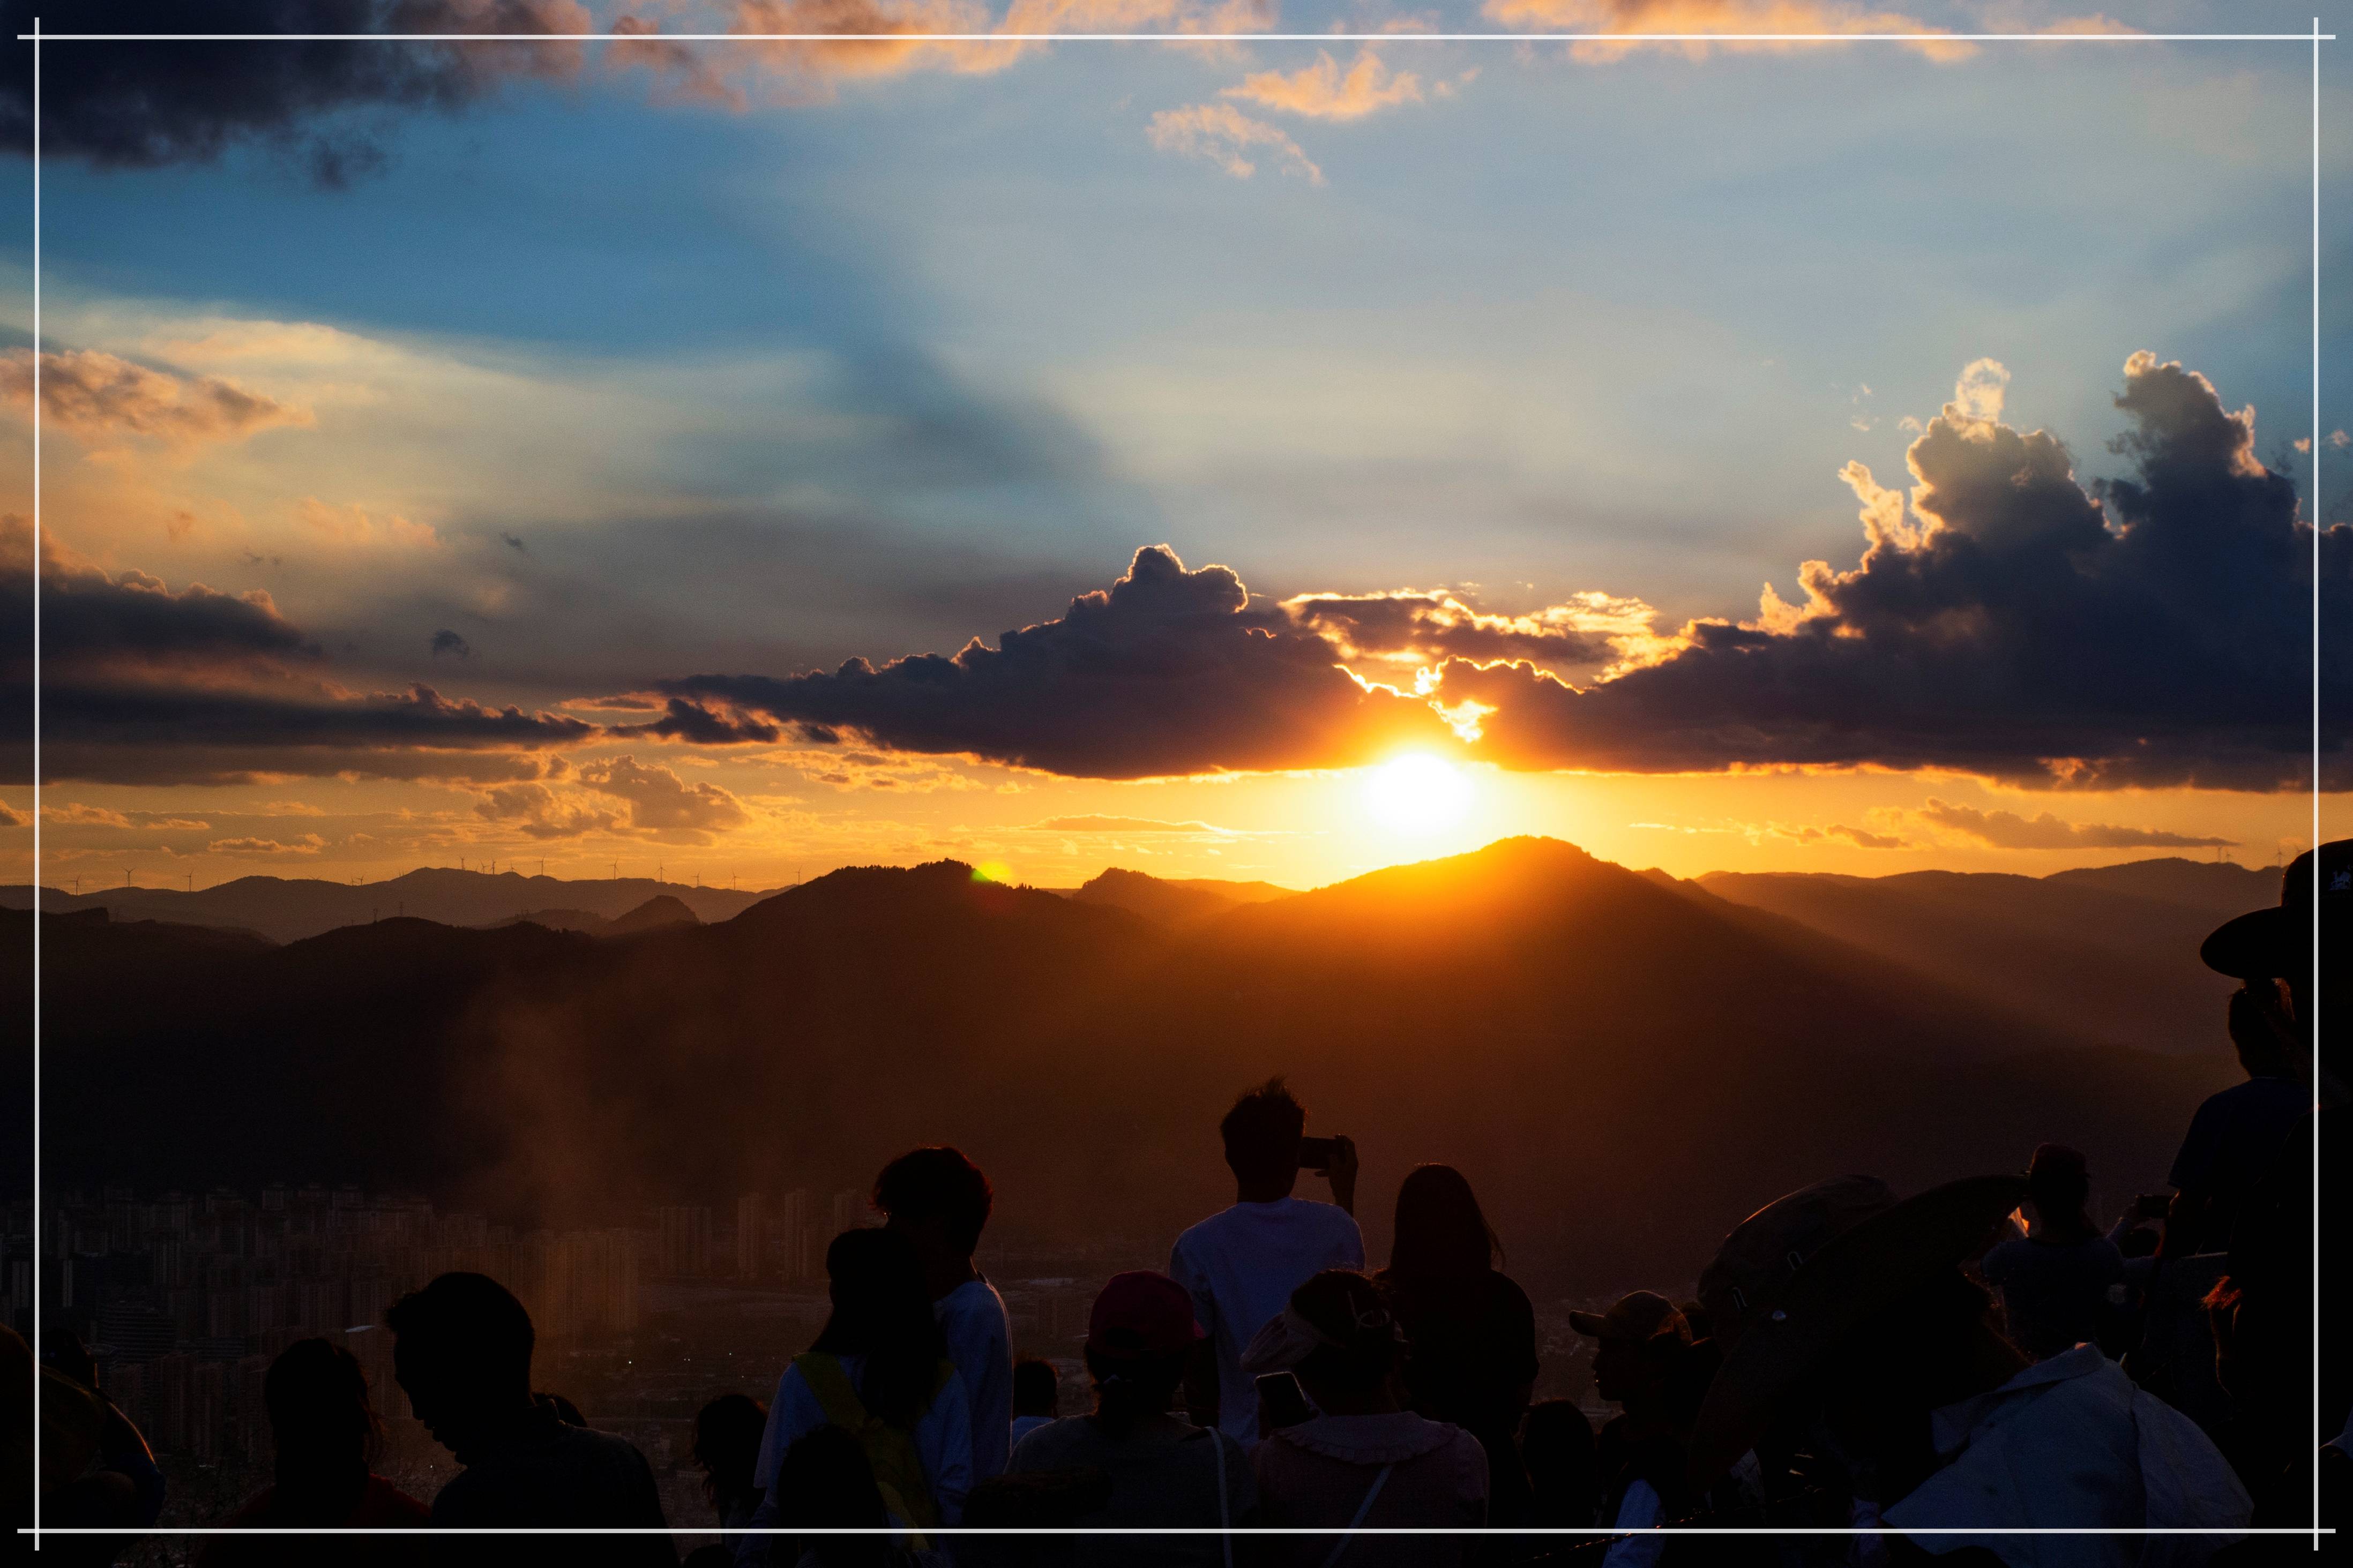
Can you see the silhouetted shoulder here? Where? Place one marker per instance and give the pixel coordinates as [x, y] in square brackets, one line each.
[573, 1474]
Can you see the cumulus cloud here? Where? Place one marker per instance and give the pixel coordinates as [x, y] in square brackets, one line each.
[2005, 619]
[1414, 626]
[539, 811]
[1230, 138]
[1171, 672]
[94, 393]
[2017, 622]
[142, 683]
[1639, 16]
[11, 817]
[2008, 830]
[1324, 91]
[662, 803]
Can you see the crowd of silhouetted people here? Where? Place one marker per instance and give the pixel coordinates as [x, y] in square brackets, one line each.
[1859, 1377]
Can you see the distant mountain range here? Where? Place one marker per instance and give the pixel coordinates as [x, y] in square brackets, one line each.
[2109, 953]
[1624, 1064]
[290, 909]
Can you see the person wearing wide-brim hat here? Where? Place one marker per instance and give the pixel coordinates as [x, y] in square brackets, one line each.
[2302, 942]
[2292, 959]
[1892, 1353]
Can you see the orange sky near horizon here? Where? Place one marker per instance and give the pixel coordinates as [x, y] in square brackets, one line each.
[1298, 830]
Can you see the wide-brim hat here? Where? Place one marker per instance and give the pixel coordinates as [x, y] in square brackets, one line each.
[1855, 1276]
[2276, 942]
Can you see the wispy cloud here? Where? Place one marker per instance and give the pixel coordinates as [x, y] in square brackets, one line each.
[1324, 91]
[1230, 138]
[2008, 830]
[95, 393]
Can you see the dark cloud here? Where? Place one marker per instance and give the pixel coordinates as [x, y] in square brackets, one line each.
[143, 684]
[1412, 626]
[1169, 672]
[2017, 624]
[515, 544]
[450, 642]
[699, 725]
[2008, 830]
[141, 105]
[2019, 628]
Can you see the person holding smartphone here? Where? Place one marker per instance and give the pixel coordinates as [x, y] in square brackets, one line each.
[1240, 1265]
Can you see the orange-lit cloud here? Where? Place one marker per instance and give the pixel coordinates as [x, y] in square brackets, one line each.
[267, 849]
[1227, 137]
[2008, 830]
[1800, 16]
[1324, 91]
[357, 527]
[95, 393]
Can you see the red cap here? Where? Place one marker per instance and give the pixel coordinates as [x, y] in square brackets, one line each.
[1141, 1313]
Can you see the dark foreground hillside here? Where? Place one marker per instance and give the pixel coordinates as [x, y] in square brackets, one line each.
[1624, 1067]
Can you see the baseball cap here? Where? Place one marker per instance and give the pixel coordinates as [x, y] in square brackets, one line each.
[1768, 1247]
[1640, 1317]
[1141, 1313]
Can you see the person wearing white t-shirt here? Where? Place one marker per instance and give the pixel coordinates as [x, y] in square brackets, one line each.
[940, 1201]
[1241, 1265]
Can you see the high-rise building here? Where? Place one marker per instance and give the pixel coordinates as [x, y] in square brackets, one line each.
[684, 1244]
[848, 1211]
[790, 1231]
[751, 1236]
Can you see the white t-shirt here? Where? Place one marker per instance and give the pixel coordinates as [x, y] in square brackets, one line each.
[980, 1343]
[1240, 1267]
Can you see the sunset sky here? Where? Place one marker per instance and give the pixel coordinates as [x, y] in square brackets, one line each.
[1477, 404]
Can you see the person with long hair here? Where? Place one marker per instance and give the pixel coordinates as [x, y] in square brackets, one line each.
[2054, 1280]
[878, 1369]
[327, 1439]
[727, 1433]
[1471, 1334]
[1163, 1470]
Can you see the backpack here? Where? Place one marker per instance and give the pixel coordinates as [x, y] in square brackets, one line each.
[891, 1451]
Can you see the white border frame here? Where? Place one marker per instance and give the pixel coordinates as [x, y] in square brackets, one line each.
[37, 38]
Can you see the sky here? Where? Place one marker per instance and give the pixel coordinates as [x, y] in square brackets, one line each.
[1266, 460]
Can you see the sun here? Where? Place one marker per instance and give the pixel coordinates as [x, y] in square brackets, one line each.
[1416, 793]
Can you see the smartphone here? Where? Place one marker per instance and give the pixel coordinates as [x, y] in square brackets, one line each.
[1315, 1153]
[2154, 1205]
[1282, 1401]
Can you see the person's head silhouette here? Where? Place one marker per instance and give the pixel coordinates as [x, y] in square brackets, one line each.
[883, 1310]
[324, 1430]
[1262, 1134]
[461, 1351]
[940, 1201]
[727, 1433]
[1441, 1237]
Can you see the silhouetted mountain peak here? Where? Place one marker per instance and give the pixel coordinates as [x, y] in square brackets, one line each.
[654, 914]
[1172, 900]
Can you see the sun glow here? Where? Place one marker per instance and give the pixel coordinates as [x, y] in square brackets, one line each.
[1416, 793]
